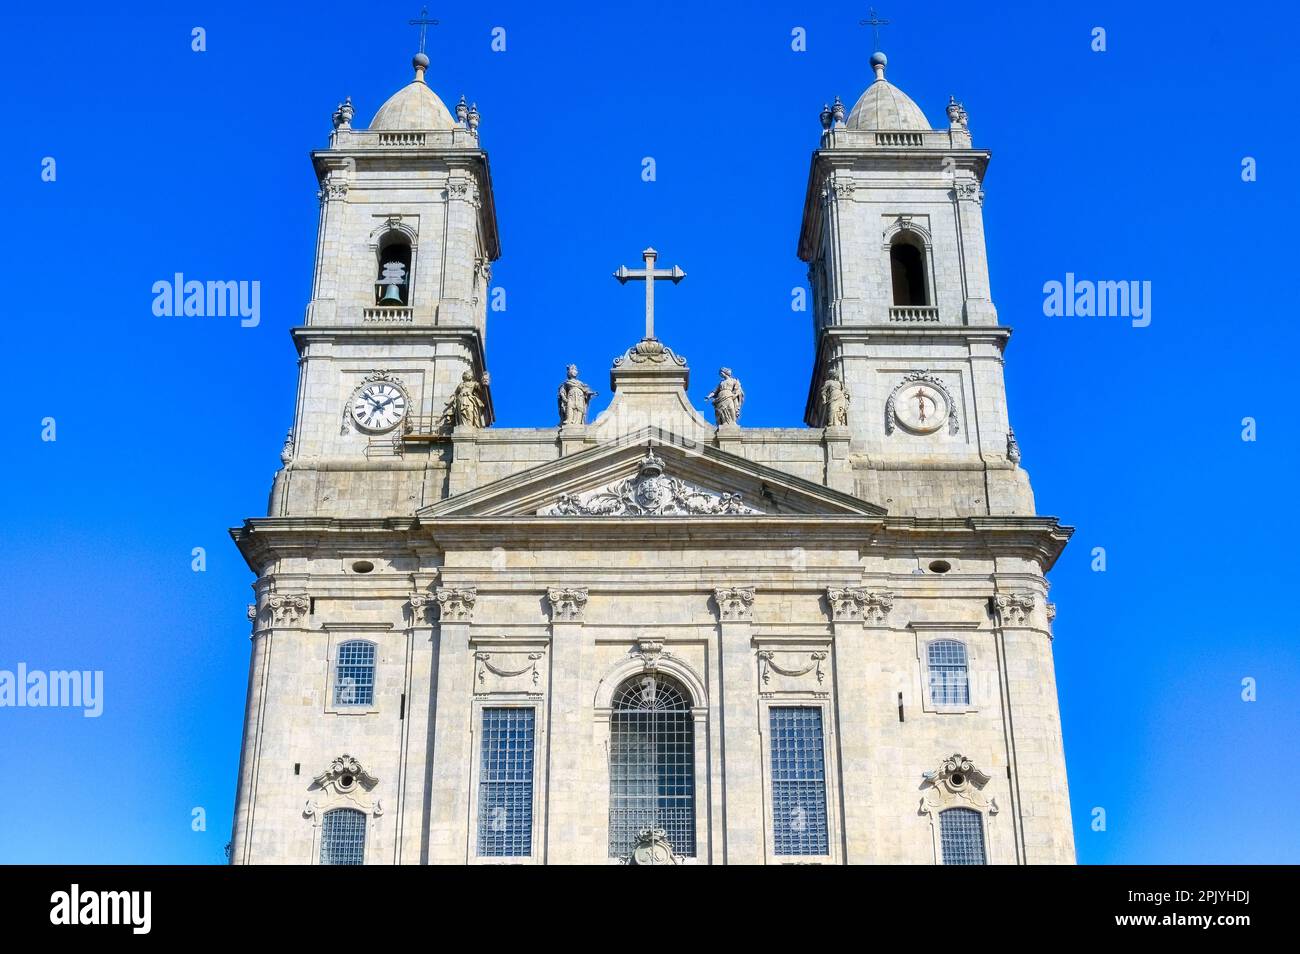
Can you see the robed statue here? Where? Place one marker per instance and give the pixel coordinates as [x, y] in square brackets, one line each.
[466, 407]
[835, 400]
[575, 398]
[727, 398]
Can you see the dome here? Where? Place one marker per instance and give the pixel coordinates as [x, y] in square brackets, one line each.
[885, 106]
[414, 106]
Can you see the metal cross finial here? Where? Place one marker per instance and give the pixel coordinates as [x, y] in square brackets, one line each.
[875, 23]
[649, 275]
[423, 23]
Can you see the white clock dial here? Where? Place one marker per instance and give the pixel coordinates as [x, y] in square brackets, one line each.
[379, 406]
[920, 408]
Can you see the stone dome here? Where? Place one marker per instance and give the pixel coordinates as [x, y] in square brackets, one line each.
[885, 106]
[414, 106]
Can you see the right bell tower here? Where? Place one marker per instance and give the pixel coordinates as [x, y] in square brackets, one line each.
[893, 234]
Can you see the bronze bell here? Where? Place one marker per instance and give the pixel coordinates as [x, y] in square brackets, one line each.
[392, 295]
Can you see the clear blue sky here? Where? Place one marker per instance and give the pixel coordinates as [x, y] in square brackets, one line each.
[1117, 165]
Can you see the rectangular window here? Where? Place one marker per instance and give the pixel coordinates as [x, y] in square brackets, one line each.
[505, 783]
[798, 781]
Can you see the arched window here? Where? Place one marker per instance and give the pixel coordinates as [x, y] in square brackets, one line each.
[354, 674]
[907, 270]
[949, 676]
[393, 284]
[961, 836]
[651, 764]
[343, 837]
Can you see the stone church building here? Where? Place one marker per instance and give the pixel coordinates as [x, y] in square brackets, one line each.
[641, 635]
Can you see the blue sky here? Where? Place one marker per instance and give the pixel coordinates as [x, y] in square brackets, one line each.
[1117, 165]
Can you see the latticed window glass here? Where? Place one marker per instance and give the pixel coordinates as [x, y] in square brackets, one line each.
[505, 783]
[354, 675]
[798, 781]
[343, 837]
[961, 836]
[949, 678]
[651, 764]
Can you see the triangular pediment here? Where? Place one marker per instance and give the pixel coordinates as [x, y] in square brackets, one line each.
[651, 474]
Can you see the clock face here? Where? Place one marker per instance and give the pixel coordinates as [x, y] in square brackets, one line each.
[379, 406]
[920, 408]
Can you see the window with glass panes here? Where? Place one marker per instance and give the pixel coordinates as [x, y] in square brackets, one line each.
[949, 678]
[961, 836]
[505, 786]
[798, 781]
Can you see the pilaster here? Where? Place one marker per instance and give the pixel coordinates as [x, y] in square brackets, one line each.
[570, 829]
[742, 757]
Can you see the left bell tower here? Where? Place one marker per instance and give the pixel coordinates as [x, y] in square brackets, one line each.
[397, 318]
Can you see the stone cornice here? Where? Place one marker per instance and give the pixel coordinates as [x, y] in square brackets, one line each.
[1038, 538]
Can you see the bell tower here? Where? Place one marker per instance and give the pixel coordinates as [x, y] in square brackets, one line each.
[893, 234]
[397, 318]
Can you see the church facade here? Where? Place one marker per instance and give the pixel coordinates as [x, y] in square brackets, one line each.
[644, 636]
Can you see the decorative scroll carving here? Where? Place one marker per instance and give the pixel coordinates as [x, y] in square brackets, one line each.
[957, 782]
[568, 604]
[1013, 609]
[252, 612]
[652, 848]
[456, 604]
[344, 782]
[1051, 611]
[1013, 448]
[485, 665]
[288, 609]
[649, 651]
[650, 351]
[649, 494]
[735, 604]
[344, 774]
[768, 664]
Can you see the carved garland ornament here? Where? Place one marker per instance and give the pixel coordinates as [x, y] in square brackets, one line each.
[485, 665]
[649, 494]
[767, 659]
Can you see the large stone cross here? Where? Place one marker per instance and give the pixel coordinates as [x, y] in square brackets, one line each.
[649, 275]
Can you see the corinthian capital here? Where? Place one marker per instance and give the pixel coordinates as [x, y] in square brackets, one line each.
[735, 603]
[568, 603]
[456, 604]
